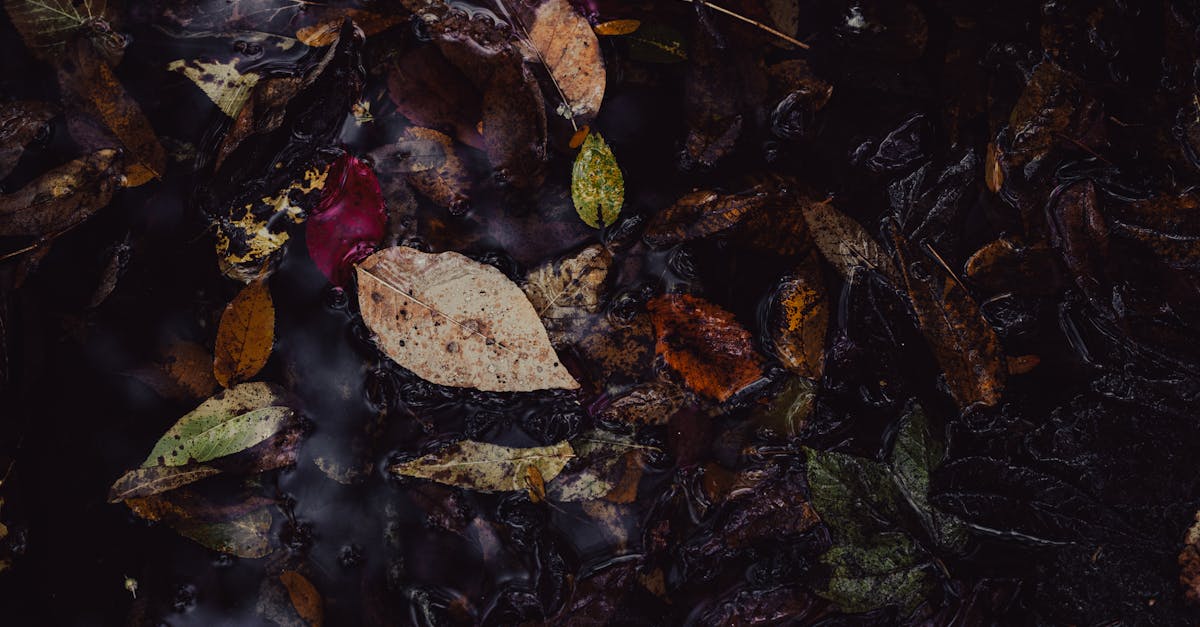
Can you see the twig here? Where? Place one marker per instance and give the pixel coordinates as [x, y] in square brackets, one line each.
[755, 23]
[944, 265]
[20, 251]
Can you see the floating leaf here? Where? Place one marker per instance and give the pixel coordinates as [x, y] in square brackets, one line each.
[605, 465]
[221, 82]
[305, 598]
[704, 344]
[845, 244]
[887, 570]
[47, 25]
[350, 220]
[485, 467]
[457, 322]
[565, 292]
[184, 371]
[223, 407]
[430, 163]
[702, 213]
[617, 27]
[597, 187]
[799, 336]
[964, 343]
[246, 536]
[61, 198]
[227, 437]
[245, 336]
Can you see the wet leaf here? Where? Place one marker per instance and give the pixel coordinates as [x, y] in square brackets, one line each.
[597, 186]
[227, 437]
[1189, 563]
[915, 455]
[651, 403]
[456, 322]
[788, 412]
[245, 336]
[785, 14]
[207, 417]
[888, 570]
[47, 25]
[799, 335]
[1007, 264]
[657, 43]
[21, 121]
[246, 536]
[430, 163]
[221, 82]
[183, 371]
[1054, 110]
[617, 27]
[564, 293]
[702, 213]
[1080, 234]
[349, 222]
[326, 31]
[148, 481]
[845, 244]
[724, 90]
[485, 467]
[61, 198]
[606, 465]
[855, 496]
[304, 596]
[705, 345]
[567, 47]
[432, 93]
[965, 344]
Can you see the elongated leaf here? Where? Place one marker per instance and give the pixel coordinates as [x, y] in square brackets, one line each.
[222, 407]
[845, 244]
[228, 437]
[597, 186]
[143, 482]
[703, 213]
[657, 43]
[245, 336]
[488, 467]
[62, 197]
[567, 46]
[244, 537]
[304, 596]
[456, 322]
[799, 334]
[47, 25]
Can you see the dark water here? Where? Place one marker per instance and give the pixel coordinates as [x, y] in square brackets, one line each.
[74, 419]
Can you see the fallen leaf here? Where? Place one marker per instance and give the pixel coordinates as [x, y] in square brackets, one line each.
[429, 161]
[62, 197]
[148, 481]
[221, 82]
[432, 93]
[915, 455]
[1054, 110]
[1008, 264]
[657, 43]
[1189, 563]
[887, 570]
[304, 596]
[788, 412]
[456, 322]
[246, 536]
[326, 31]
[616, 27]
[47, 26]
[21, 121]
[725, 89]
[606, 465]
[845, 244]
[785, 14]
[116, 261]
[349, 221]
[485, 467]
[184, 371]
[712, 353]
[702, 213]
[651, 403]
[965, 344]
[564, 293]
[1168, 226]
[799, 335]
[1080, 233]
[597, 187]
[189, 506]
[563, 41]
[227, 437]
[223, 407]
[245, 335]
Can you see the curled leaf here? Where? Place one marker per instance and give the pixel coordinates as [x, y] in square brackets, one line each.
[245, 335]
[704, 344]
[597, 186]
[487, 467]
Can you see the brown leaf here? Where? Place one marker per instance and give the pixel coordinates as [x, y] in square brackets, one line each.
[616, 27]
[245, 336]
[725, 85]
[1189, 563]
[429, 161]
[187, 505]
[1080, 234]
[702, 213]
[143, 482]
[651, 403]
[845, 244]
[616, 350]
[62, 197]
[308, 602]
[432, 93]
[566, 292]
[1012, 265]
[562, 40]
[705, 345]
[456, 322]
[1168, 226]
[184, 371]
[21, 121]
[325, 32]
[1054, 109]
[799, 335]
[965, 345]
[90, 81]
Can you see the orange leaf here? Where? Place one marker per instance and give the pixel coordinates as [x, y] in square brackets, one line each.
[800, 336]
[245, 335]
[617, 27]
[305, 598]
[705, 345]
[326, 31]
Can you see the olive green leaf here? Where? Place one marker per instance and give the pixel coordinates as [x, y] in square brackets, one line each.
[228, 437]
[915, 455]
[245, 536]
[201, 427]
[488, 467]
[888, 569]
[597, 187]
[788, 412]
[853, 495]
[46, 25]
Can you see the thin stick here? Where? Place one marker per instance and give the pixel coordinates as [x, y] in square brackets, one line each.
[20, 251]
[945, 266]
[760, 25]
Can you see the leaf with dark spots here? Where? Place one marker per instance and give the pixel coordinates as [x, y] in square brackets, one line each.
[227, 87]
[597, 185]
[964, 343]
[562, 41]
[188, 505]
[429, 91]
[702, 213]
[61, 198]
[487, 467]
[616, 350]
[349, 222]
[606, 466]
[915, 455]
[704, 345]
[845, 244]
[430, 162]
[567, 293]
[143, 482]
[651, 403]
[220, 409]
[21, 121]
[802, 321]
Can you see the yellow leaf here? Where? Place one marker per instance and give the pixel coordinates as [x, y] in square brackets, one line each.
[221, 82]
[617, 27]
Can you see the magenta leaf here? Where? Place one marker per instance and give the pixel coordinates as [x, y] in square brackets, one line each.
[350, 220]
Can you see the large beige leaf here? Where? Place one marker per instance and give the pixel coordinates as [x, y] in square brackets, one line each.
[456, 322]
[488, 467]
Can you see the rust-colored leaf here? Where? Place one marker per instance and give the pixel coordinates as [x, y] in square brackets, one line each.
[1008, 264]
[705, 345]
[617, 27]
[799, 335]
[304, 596]
[965, 345]
[184, 371]
[651, 403]
[245, 336]
[1189, 563]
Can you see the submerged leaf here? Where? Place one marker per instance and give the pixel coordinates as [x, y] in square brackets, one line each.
[915, 455]
[597, 186]
[657, 43]
[799, 335]
[62, 197]
[887, 570]
[487, 467]
[703, 213]
[245, 335]
[244, 537]
[305, 598]
[606, 465]
[845, 244]
[47, 25]
[712, 353]
[566, 292]
[221, 82]
[431, 164]
[1189, 563]
[143, 482]
[651, 403]
[456, 322]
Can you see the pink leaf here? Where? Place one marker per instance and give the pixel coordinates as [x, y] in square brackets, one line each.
[350, 220]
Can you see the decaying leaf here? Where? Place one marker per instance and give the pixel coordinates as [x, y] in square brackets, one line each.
[245, 336]
[1189, 563]
[227, 437]
[326, 31]
[1168, 226]
[705, 345]
[456, 322]
[1054, 110]
[563, 41]
[431, 164]
[651, 403]
[62, 197]
[597, 186]
[148, 481]
[246, 536]
[564, 293]
[657, 43]
[221, 82]
[207, 417]
[606, 465]
[845, 244]
[799, 335]
[183, 371]
[725, 88]
[305, 598]
[485, 467]
[47, 26]
[429, 91]
[21, 121]
[615, 349]
[1007, 265]
[702, 213]
[964, 343]
[350, 220]
[788, 412]
[915, 455]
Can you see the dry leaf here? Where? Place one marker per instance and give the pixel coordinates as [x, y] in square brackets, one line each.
[144, 482]
[485, 467]
[245, 336]
[965, 345]
[565, 293]
[304, 596]
[564, 42]
[62, 197]
[221, 82]
[712, 353]
[845, 244]
[799, 335]
[702, 213]
[457, 322]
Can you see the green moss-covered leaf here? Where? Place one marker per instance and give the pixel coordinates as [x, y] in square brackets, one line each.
[221, 408]
[852, 494]
[488, 467]
[889, 569]
[915, 455]
[245, 536]
[597, 187]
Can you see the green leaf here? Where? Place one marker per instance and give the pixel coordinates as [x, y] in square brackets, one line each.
[488, 467]
[853, 495]
[231, 436]
[657, 43]
[245, 536]
[915, 455]
[223, 407]
[597, 187]
[888, 569]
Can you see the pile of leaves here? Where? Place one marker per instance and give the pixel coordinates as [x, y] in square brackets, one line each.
[570, 312]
